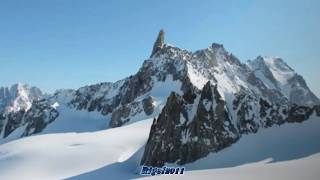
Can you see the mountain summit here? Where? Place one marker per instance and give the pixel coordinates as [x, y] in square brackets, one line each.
[18, 97]
[159, 42]
[201, 102]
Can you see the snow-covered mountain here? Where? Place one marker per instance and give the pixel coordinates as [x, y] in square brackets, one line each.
[15, 101]
[192, 106]
[271, 153]
[18, 97]
[276, 74]
[201, 102]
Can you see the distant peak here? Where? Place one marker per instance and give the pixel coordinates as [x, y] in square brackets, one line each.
[259, 57]
[158, 43]
[216, 46]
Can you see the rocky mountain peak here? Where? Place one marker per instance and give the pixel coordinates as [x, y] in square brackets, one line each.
[18, 97]
[216, 96]
[159, 42]
[216, 46]
[278, 75]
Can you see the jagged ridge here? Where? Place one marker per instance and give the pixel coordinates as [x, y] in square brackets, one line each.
[169, 68]
[178, 136]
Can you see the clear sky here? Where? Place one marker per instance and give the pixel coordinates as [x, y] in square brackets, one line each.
[56, 44]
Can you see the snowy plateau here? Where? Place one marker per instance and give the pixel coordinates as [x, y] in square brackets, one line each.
[206, 111]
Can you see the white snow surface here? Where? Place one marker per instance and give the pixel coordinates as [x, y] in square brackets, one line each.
[305, 168]
[196, 77]
[288, 152]
[69, 120]
[58, 156]
[79, 151]
[279, 69]
[72, 120]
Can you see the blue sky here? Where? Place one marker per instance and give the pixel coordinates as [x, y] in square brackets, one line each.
[67, 44]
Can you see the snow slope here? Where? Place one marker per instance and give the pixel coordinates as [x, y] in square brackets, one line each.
[272, 153]
[69, 120]
[279, 153]
[57, 156]
[306, 168]
[288, 152]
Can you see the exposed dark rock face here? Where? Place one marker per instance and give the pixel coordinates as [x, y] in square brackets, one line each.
[122, 104]
[317, 110]
[271, 114]
[38, 117]
[14, 120]
[253, 98]
[122, 114]
[148, 106]
[190, 95]
[177, 136]
[2, 121]
[159, 43]
[164, 141]
[18, 97]
[35, 119]
[97, 97]
[14, 102]
[244, 105]
[299, 113]
[143, 82]
[138, 84]
[299, 95]
[211, 129]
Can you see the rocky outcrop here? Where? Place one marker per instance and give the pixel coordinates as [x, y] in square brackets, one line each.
[211, 128]
[272, 113]
[299, 113]
[124, 113]
[148, 105]
[15, 101]
[242, 98]
[38, 117]
[300, 93]
[317, 110]
[164, 143]
[244, 105]
[18, 97]
[278, 77]
[35, 119]
[159, 43]
[178, 136]
[100, 97]
[14, 120]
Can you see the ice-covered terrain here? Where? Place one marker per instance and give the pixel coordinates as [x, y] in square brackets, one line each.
[252, 91]
[287, 152]
[205, 110]
[306, 168]
[58, 156]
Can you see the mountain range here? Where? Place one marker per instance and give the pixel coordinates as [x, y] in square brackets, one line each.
[201, 102]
